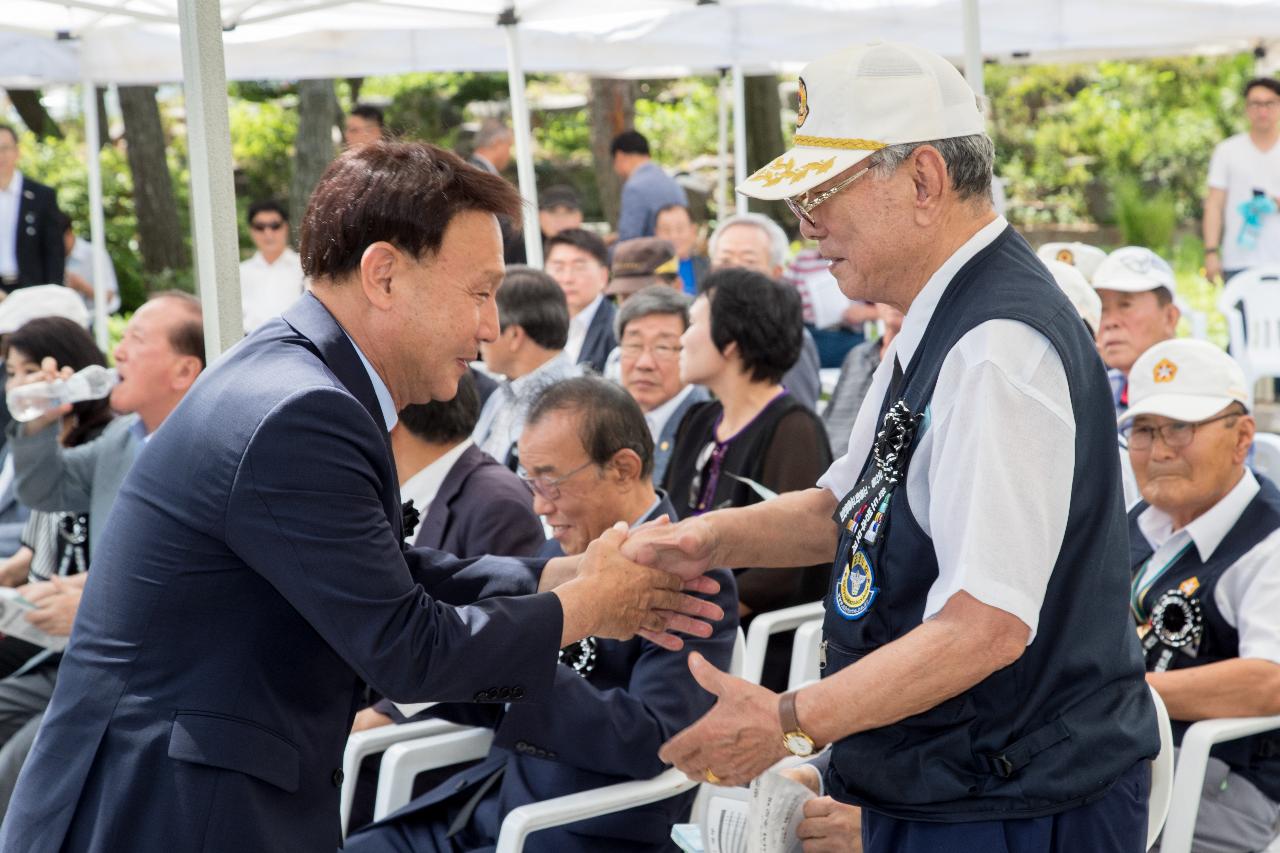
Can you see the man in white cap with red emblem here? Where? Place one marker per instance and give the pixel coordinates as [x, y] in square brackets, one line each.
[1205, 555]
[982, 686]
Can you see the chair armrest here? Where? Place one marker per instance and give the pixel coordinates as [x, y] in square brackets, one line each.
[404, 761]
[1188, 779]
[522, 821]
[372, 741]
[765, 625]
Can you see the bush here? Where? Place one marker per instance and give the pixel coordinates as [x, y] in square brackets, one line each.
[1146, 218]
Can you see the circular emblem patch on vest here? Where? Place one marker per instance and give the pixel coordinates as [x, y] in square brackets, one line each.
[1067, 256]
[802, 111]
[856, 590]
[1164, 371]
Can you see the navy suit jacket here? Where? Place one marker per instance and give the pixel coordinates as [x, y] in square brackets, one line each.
[594, 731]
[600, 340]
[250, 583]
[481, 508]
[41, 255]
[667, 438]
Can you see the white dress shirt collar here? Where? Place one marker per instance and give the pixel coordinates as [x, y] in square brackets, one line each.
[1208, 529]
[380, 389]
[917, 318]
[658, 417]
[423, 486]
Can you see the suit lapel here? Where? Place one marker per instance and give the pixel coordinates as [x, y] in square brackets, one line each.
[431, 533]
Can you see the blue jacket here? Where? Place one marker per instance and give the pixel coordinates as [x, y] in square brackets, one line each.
[600, 340]
[594, 731]
[250, 582]
[648, 190]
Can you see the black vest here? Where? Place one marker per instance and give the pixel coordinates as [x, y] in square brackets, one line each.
[1060, 725]
[1182, 625]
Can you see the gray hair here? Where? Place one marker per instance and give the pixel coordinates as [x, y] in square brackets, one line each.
[491, 131]
[969, 160]
[778, 242]
[654, 299]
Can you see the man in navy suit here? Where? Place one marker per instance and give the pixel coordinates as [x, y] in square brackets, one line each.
[588, 456]
[31, 250]
[251, 586]
[469, 503]
[579, 262]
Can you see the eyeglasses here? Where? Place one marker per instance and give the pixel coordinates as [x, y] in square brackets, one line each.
[267, 226]
[803, 207]
[1262, 105]
[661, 352]
[549, 488]
[573, 267]
[1175, 435]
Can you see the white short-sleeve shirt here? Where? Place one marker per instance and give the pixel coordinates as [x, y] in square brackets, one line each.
[1240, 168]
[990, 480]
[1248, 592]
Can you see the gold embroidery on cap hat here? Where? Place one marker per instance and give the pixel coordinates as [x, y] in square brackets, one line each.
[1164, 371]
[1067, 256]
[802, 111]
[784, 168]
[837, 142]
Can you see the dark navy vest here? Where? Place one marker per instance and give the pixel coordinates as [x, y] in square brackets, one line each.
[1182, 625]
[1056, 728]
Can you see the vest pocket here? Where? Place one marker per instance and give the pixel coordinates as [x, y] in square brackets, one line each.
[230, 743]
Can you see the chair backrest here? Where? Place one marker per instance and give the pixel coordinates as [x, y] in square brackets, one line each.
[1161, 774]
[1251, 304]
[1197, 322]
[1266, 455]
[765, 625]
[739, 654]
[806, 654]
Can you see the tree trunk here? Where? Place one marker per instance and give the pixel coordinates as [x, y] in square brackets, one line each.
[765, 140]
[313, 146]
[161, 239]
[613, 110]
[33, 114]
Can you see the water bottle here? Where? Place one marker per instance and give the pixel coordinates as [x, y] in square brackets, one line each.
[28, 402]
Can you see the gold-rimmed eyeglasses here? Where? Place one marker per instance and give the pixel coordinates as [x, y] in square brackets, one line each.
[1175, 435]
[802, 206]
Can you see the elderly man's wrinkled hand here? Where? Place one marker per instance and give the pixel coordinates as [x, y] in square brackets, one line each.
[734, 742]
[686, 549]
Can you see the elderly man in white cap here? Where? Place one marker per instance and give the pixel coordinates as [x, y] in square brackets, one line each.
[1205, 595]
[1138, 311]
[983, 689]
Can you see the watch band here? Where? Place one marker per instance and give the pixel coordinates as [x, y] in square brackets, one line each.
[787, 713]
[1211, 250]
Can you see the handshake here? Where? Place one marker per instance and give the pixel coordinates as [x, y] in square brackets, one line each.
[639, 582]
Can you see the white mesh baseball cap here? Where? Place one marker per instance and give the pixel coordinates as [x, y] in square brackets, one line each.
[1082, 256]
[43, 300]
[1134, 269]
[856, 101]
[1184, 379]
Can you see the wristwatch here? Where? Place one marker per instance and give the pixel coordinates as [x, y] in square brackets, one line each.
[1211, 250]
[793, 737]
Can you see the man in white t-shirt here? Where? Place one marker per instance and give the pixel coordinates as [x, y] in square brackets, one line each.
[272, 279]
[1245, 171]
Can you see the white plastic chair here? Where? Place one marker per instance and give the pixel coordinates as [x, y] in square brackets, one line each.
[765, 625]
[402, 762]
[520, 822]
[1254, 331]
[1193, 761]
[363, 744]
[1266, 455]
[1161, 774]
[1197, 322]
[806, 654]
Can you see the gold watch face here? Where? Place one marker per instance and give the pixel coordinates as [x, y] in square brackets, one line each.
[798, 743]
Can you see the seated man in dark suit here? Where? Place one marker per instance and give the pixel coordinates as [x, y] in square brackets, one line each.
[469, 503]
[579, 262]
[587, 453]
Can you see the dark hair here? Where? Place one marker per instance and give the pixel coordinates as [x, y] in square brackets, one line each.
[368, 112]
[1269, 83]
[445, 421]
[405, 193]
[656, 299]
[8, 128]
[532, 300]
[610, 419]
[64, 222]
[629, 142]
[267, 206]
[674, 206]
[186, 338]
[71, 346]
[758, 314]
[580, 238]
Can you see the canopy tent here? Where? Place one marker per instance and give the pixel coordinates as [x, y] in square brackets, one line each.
[203, 43]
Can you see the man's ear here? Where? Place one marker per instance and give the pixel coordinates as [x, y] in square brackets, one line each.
[1244, 439]
[186, 370]
[378, 266]
[930, 178]
[626, 464]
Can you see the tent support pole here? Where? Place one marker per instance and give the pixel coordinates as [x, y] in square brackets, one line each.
[722, 148]
[215, 242]
[524, 146]
[739, 134]
[97, 225]
[973, 49]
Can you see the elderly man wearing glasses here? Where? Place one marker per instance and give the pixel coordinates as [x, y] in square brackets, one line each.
[1206, 576]
[983, 688]
[587, 455]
